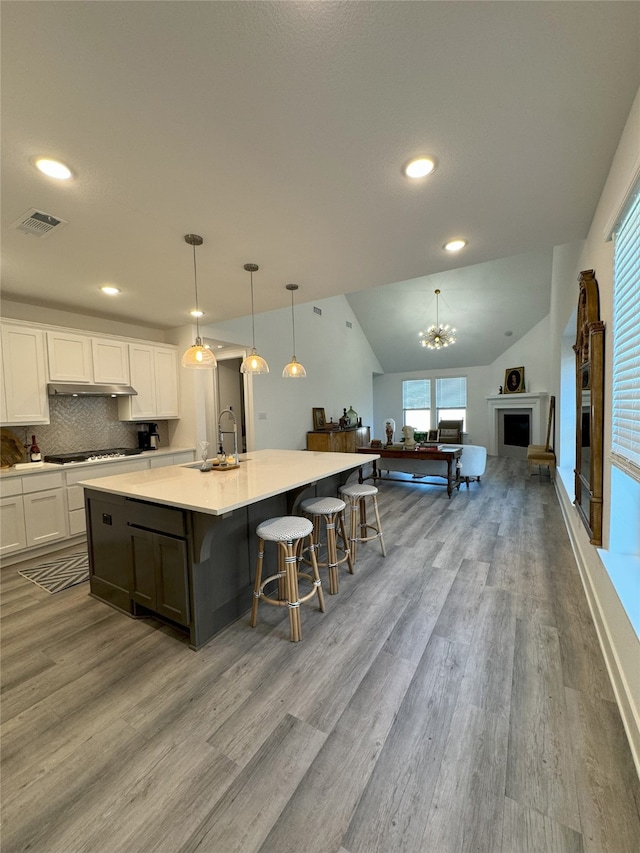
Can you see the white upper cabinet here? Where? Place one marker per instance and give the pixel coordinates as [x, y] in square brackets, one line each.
[70, 357]
[84, 359]
[166, 368]
[110, 361]
[24, 376]
[154, 375]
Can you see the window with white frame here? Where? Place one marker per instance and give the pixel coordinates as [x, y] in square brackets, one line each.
[446, 396]
[625, 421]
[416, 403]
[451, 399]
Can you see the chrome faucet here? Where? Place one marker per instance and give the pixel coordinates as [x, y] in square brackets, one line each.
[223, 432]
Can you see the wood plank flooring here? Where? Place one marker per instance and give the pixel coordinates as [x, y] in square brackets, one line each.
[453, 697]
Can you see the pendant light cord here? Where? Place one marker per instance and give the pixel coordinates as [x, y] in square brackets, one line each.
[293, 326]
[195, 279]
[253, 318]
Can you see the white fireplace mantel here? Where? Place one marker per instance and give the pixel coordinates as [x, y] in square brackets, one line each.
[534, 401]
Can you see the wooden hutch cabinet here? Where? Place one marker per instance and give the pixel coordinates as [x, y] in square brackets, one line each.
[339, 440]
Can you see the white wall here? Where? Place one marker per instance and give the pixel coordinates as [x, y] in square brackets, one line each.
[86, 322]
[387, 393]
[603, 569]
[532, 351]
[338, 360]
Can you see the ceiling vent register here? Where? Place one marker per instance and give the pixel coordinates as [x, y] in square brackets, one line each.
[38, 224]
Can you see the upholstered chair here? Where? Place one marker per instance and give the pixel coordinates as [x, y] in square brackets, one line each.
[450, 432]
[472, 462]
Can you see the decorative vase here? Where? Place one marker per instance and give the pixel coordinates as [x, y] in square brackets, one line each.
[352, 415]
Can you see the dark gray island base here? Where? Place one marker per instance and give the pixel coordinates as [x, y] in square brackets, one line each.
[191, 568]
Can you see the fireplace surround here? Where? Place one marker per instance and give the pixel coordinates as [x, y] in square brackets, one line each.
[536, 402]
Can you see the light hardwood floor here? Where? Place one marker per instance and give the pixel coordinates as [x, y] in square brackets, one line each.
[452, 698]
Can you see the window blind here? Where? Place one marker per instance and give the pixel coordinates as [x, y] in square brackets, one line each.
[451, 392]
[416, 394]
[625, 428]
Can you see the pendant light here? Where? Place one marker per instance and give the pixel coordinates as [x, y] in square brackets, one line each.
[438, 336]
[293, 370]
[253, 363]
[198, 356]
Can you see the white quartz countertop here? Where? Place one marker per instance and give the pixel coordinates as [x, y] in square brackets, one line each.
[38, 467]
[262, 474]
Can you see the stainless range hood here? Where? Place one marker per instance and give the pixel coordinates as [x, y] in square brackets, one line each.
[69, 390]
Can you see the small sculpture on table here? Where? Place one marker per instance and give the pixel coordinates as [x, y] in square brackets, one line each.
[409, 440]
[389, 429]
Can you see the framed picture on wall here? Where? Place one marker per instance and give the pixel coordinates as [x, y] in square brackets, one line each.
[319, 419]
[514, 380]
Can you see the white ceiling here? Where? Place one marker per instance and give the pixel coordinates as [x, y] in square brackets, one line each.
[278, 131]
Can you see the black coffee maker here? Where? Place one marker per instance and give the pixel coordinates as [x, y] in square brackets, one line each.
[148, 437]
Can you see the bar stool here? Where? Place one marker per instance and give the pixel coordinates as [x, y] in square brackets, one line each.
[357, 493]
[288, 532]
[329, 509]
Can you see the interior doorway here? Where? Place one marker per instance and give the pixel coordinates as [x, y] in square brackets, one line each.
[230, 388]
[230, 395]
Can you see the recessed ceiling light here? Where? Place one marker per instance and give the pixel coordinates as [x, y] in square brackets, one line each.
[110, 290]
[196, 313]
[53, 168]
[455, 245]
[419, 167]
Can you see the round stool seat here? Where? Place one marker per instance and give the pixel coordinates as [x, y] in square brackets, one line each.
[284, 528]
[328, 510]
[322, 506]
[358, 490]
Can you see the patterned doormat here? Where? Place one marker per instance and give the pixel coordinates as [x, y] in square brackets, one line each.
[59, 574]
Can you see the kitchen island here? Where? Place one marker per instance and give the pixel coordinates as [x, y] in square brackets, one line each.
[180, 544]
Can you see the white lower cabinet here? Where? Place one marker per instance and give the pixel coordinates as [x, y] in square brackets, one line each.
[45, 517]
[13, 536]
[48, 506]
[35, 514]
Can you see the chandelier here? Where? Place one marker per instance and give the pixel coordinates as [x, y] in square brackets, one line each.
[437, 336]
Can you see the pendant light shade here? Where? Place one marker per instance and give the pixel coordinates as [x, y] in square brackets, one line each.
[197, 356]
[293, 370]
[253, 363]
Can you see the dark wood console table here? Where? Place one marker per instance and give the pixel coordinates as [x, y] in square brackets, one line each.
[424, 455]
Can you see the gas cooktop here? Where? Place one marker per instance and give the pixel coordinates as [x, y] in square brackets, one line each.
[91, 455]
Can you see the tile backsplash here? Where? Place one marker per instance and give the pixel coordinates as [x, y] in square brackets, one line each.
[89, 423]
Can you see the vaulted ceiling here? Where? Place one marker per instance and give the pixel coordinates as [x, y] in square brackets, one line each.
[278, 131]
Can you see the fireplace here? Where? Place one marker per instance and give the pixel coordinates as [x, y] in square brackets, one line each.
[514, 433]
[535, 404]
[517, 429]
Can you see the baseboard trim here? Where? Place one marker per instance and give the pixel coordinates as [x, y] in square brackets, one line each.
[627, 706]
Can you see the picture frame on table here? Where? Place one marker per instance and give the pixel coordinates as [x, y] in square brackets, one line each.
[514, 380]
[319, 419]
[433, 435]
